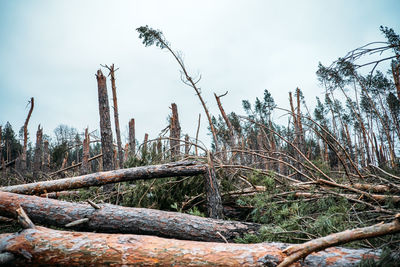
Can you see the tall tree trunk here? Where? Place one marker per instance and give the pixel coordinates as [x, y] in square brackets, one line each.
[132, 140]
[116, 116]
[105, 126]
[187, 145]
[37, 160]
[174, 133]
[24, 149]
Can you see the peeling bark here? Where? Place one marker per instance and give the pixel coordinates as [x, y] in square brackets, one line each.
[183, 168]
[116, 219]
[43, 246]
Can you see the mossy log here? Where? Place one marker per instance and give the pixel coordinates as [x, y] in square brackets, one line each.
[43, 246]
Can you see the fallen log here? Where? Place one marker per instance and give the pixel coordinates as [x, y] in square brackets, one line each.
[43, 246]
[116, 219]
[379, 198]
[299, 251]
[8, 164]
[182, 168]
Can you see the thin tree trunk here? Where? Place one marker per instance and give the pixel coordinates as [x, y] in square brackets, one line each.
[105, 126]
[132, 140]
[187, 145]
[183, 168]
[24, 149]
[37, 160]
[116, 116]
[86, 153]
[175, 133]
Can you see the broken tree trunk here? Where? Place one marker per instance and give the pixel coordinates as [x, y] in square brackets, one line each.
[24, 149]
[116, 219]
[105, 125]
[116, 116]
[37, 160]
[183, 168]
[43, 246]
[46, 157]
[214, 201]
[86, 153]
[132, 140]
[174, 133]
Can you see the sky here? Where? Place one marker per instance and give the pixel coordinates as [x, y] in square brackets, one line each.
[51, 50]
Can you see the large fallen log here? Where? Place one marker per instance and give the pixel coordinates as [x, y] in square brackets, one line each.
[108, 218]
[182, 168]
[43, 246]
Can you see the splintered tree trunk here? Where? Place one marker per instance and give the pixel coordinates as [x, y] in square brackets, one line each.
[46, 157]
[144, 149]
[116, 116]
[24, 149]
[86, 153]
[37, 160]
[214, 201]
[187, 145]
[43, 246]
[175, 133]
[105, 125]
[117, 219]
[183, 168]
[132, 140]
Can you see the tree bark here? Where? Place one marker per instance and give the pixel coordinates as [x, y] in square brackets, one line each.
[183, 168]
[24, 149]
[214, 201]
[46, 157]
[174, 133]
[37, 160]
[116, 116]
[116, 219]
[43, 246]
[105, 126]
[132, 140]
[86, 153]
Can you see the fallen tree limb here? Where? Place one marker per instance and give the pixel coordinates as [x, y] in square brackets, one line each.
[8, 164]
[116, 219]
[43, 246]
[379, 198]
[299, 251]
[75, 165]
[183, 168]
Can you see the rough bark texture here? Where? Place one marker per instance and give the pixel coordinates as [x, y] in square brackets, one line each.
[46, 157]
[299, 251]
[24, 149]
[117, 219]
[214, 201]
[45, 246]
[187, 145]
[183, 168]
[86, 153]
[132, 140]
[105, 123]
[174, 133]
[37, 160]
[116, 116]
[144, 149]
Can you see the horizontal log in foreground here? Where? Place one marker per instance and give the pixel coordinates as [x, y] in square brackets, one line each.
[43, 246]
[117, 219]
[175, 169]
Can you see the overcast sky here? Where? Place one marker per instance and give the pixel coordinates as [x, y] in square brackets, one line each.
[51, 50]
